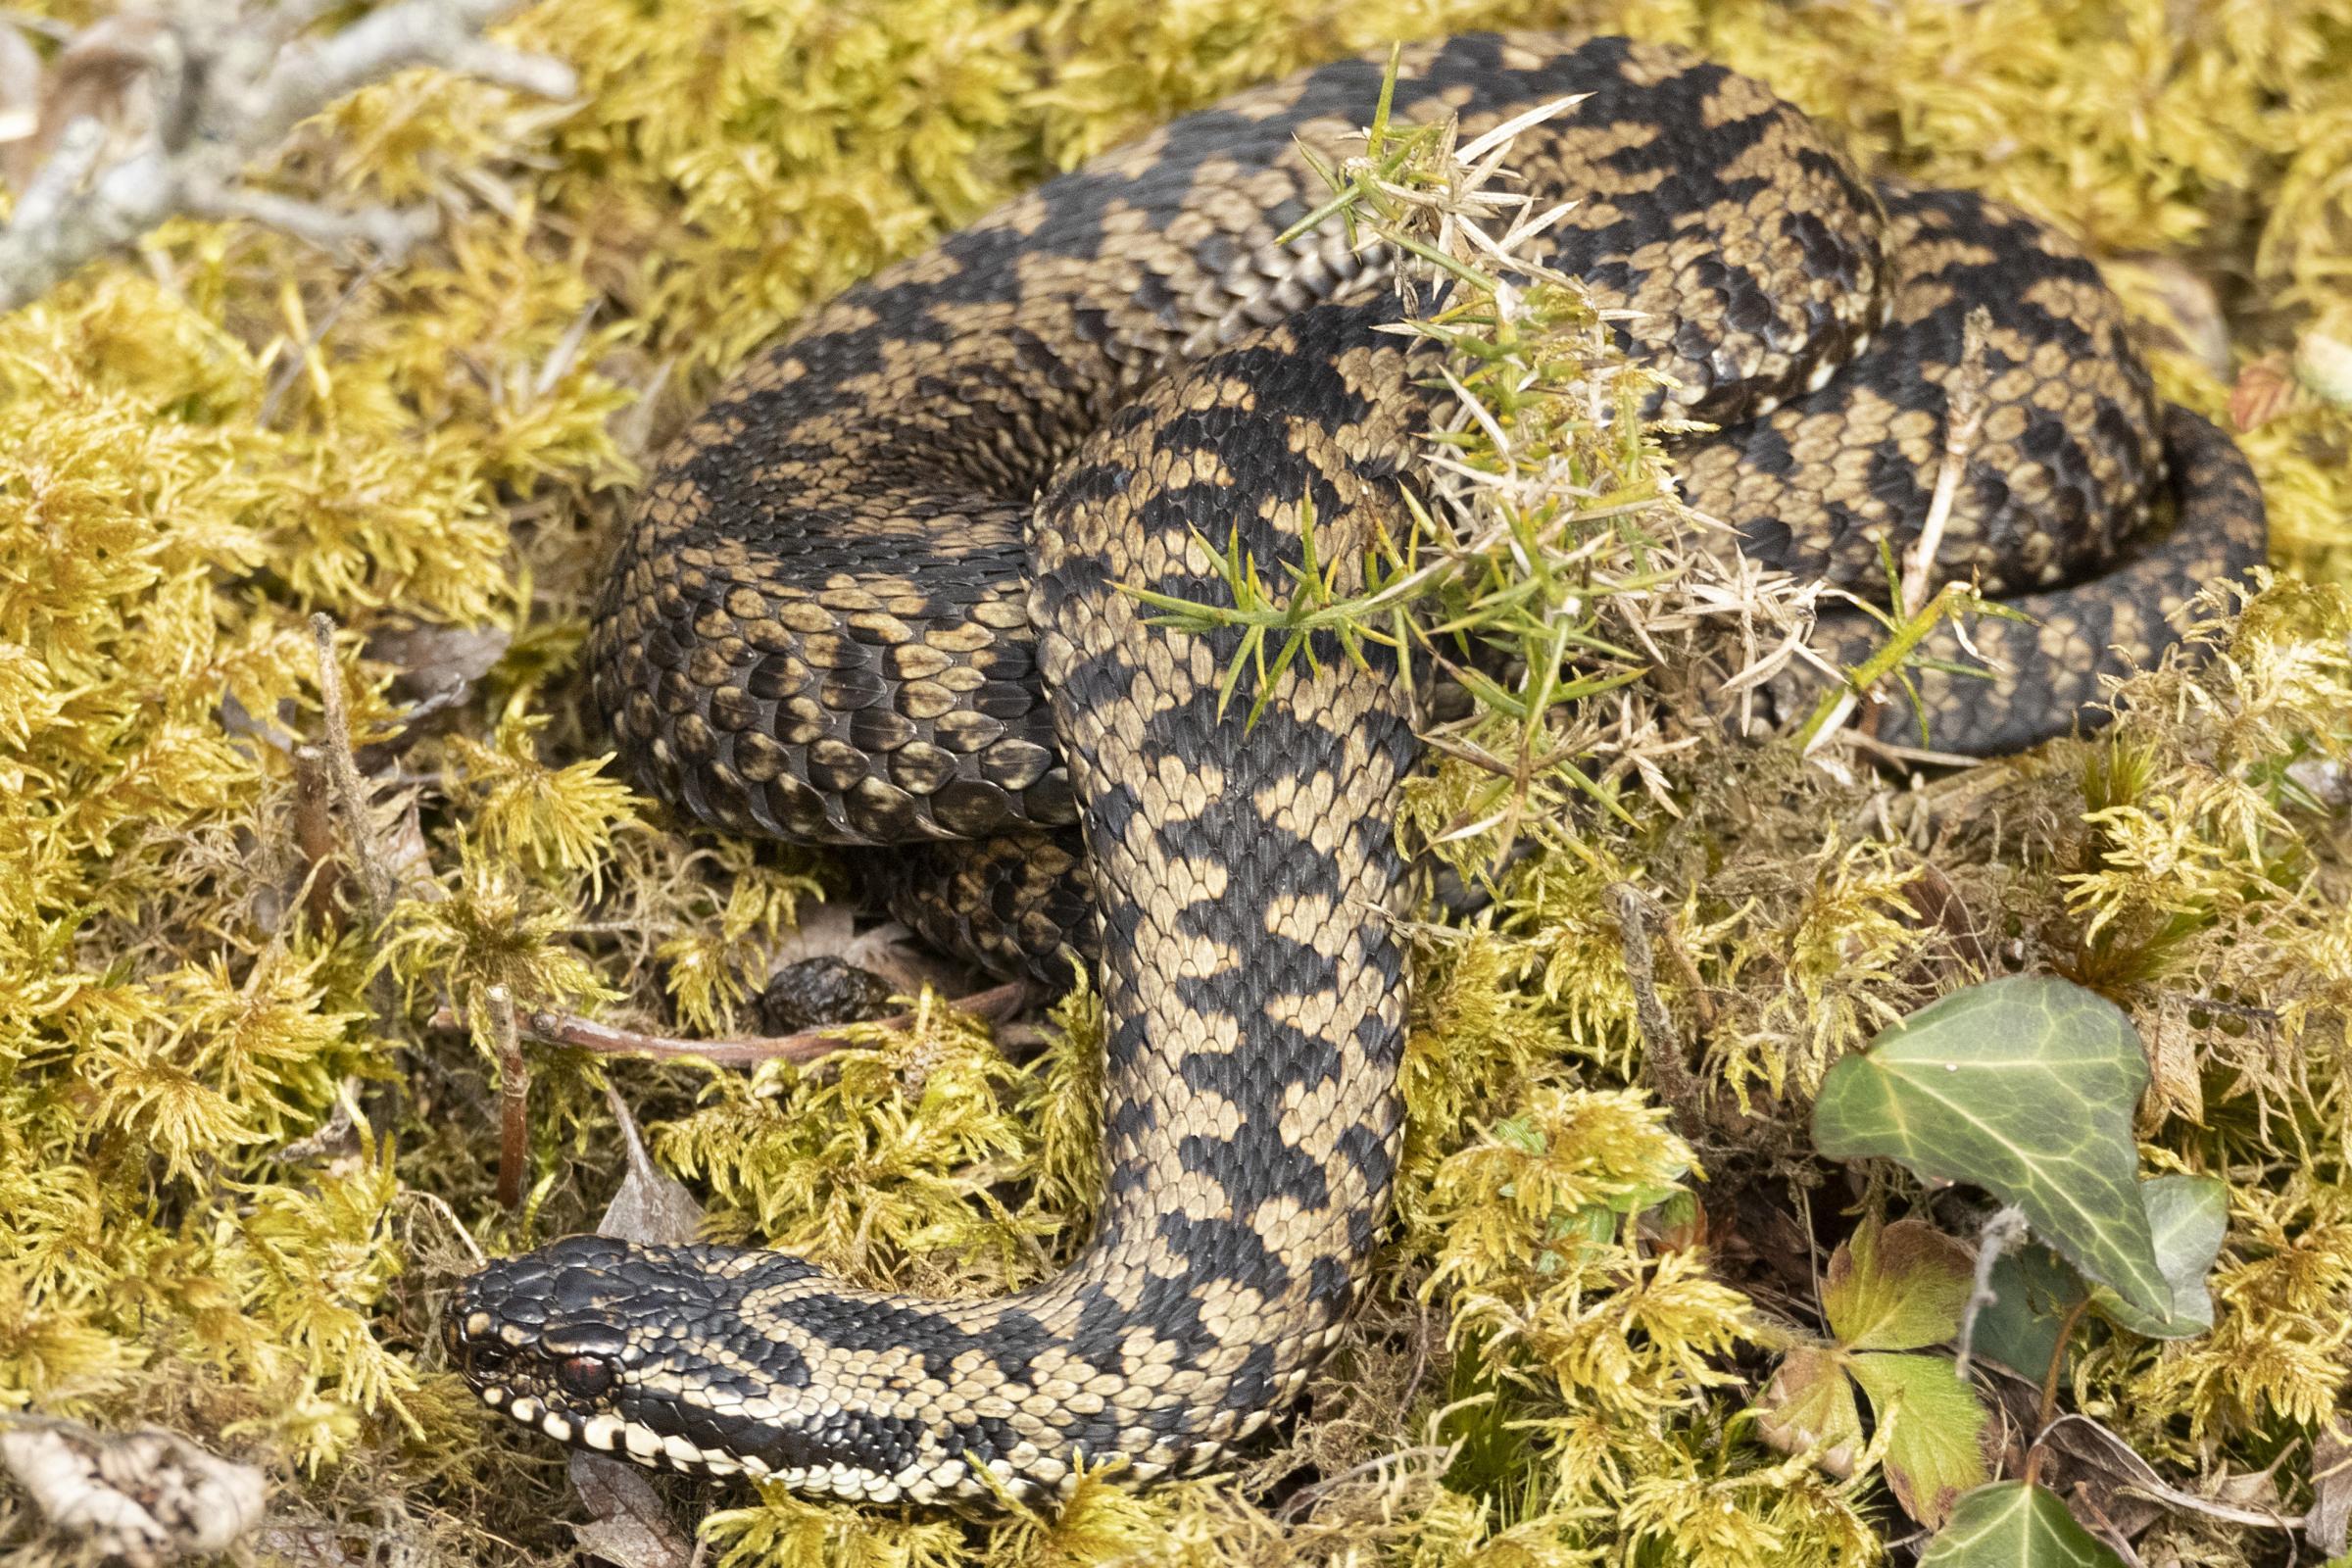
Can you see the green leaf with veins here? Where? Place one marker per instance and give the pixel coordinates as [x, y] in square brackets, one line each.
[2023, 1087]
[1809, 1403]
[2032, 1291]
[2187, 1216]
[1888, 1292]
[1935, 1449]
[1897, 1288]
[2012, 1525]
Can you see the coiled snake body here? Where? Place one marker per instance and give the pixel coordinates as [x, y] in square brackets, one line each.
[845, 613]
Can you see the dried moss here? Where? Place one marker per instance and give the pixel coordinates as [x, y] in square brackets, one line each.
[230, 1167]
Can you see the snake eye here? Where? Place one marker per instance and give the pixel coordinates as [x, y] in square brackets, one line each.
[585, 1377]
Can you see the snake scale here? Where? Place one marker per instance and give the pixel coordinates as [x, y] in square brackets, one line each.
[872, 596]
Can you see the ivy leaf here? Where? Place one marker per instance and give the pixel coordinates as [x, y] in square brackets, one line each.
[1810, 1404]
[1935, 1444]
[2032, 1291]
[1897, 1288]
[2187, 1215]
[2012, 1525]
[2023, 1087]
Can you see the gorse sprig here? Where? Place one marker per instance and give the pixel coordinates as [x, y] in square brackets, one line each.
[1314, 603]
[1542, 558]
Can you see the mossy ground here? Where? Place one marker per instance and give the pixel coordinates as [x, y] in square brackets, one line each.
[235, 1155]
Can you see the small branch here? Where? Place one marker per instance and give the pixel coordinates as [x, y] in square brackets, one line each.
[232, 85]
[2049, 1388]
[1307, 1499]
[1907, 756]
[391, 233]
[1964, 417]
[2266, 1017]
[994, 1005]
[315, 834]
[77, 154]
[513, 1100]
[1684, 970]
[358, 816]
[1661, 1043]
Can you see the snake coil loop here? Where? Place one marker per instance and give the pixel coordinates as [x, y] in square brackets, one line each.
[839, 617]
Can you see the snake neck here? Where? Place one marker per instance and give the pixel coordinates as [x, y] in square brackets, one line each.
[1254, 989]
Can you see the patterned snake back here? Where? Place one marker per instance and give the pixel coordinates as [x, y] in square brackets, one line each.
[873, 597]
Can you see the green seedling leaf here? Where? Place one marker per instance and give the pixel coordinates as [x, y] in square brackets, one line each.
[2023, 1087]
[2034, 1290]
[1936, 1430]
[2187, 1215]
[1810, 1404]
[2011, 1525]
[1888, 1292]
[1897, 1288]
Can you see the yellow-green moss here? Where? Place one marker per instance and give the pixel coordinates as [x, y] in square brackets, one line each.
[233, 431]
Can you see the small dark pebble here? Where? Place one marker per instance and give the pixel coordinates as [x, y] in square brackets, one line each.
[820, 993]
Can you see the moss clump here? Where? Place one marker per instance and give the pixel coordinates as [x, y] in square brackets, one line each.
[236, 1151]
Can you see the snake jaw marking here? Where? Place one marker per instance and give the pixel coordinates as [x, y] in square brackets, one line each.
[869, 599]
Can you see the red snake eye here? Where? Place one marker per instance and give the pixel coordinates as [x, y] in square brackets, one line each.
[585, 1377]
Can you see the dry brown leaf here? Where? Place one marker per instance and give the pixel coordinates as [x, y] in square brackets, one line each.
[2265, 388]
[2330, 1521]
[627, 1525]
[651, 1205]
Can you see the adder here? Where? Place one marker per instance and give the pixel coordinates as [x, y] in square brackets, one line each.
[874, 595]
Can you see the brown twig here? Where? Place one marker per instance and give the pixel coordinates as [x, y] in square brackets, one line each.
[2049, 1387]
[513, 1098]
[350, 791]
[1964, 418]
[1662, 1043]
[994, 1005]
[1684, 970]
[315, 834]
[2268, 1017]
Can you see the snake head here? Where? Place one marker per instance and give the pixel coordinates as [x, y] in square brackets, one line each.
[597, 1343]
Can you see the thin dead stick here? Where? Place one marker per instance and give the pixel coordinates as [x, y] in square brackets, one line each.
[1662, 1043]
[2049, 1390]
[1914, 756]
[375, 883]
[1684, 970]
[315, 833]
[993, 1006]
[513, 1100]
[1964, 420]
